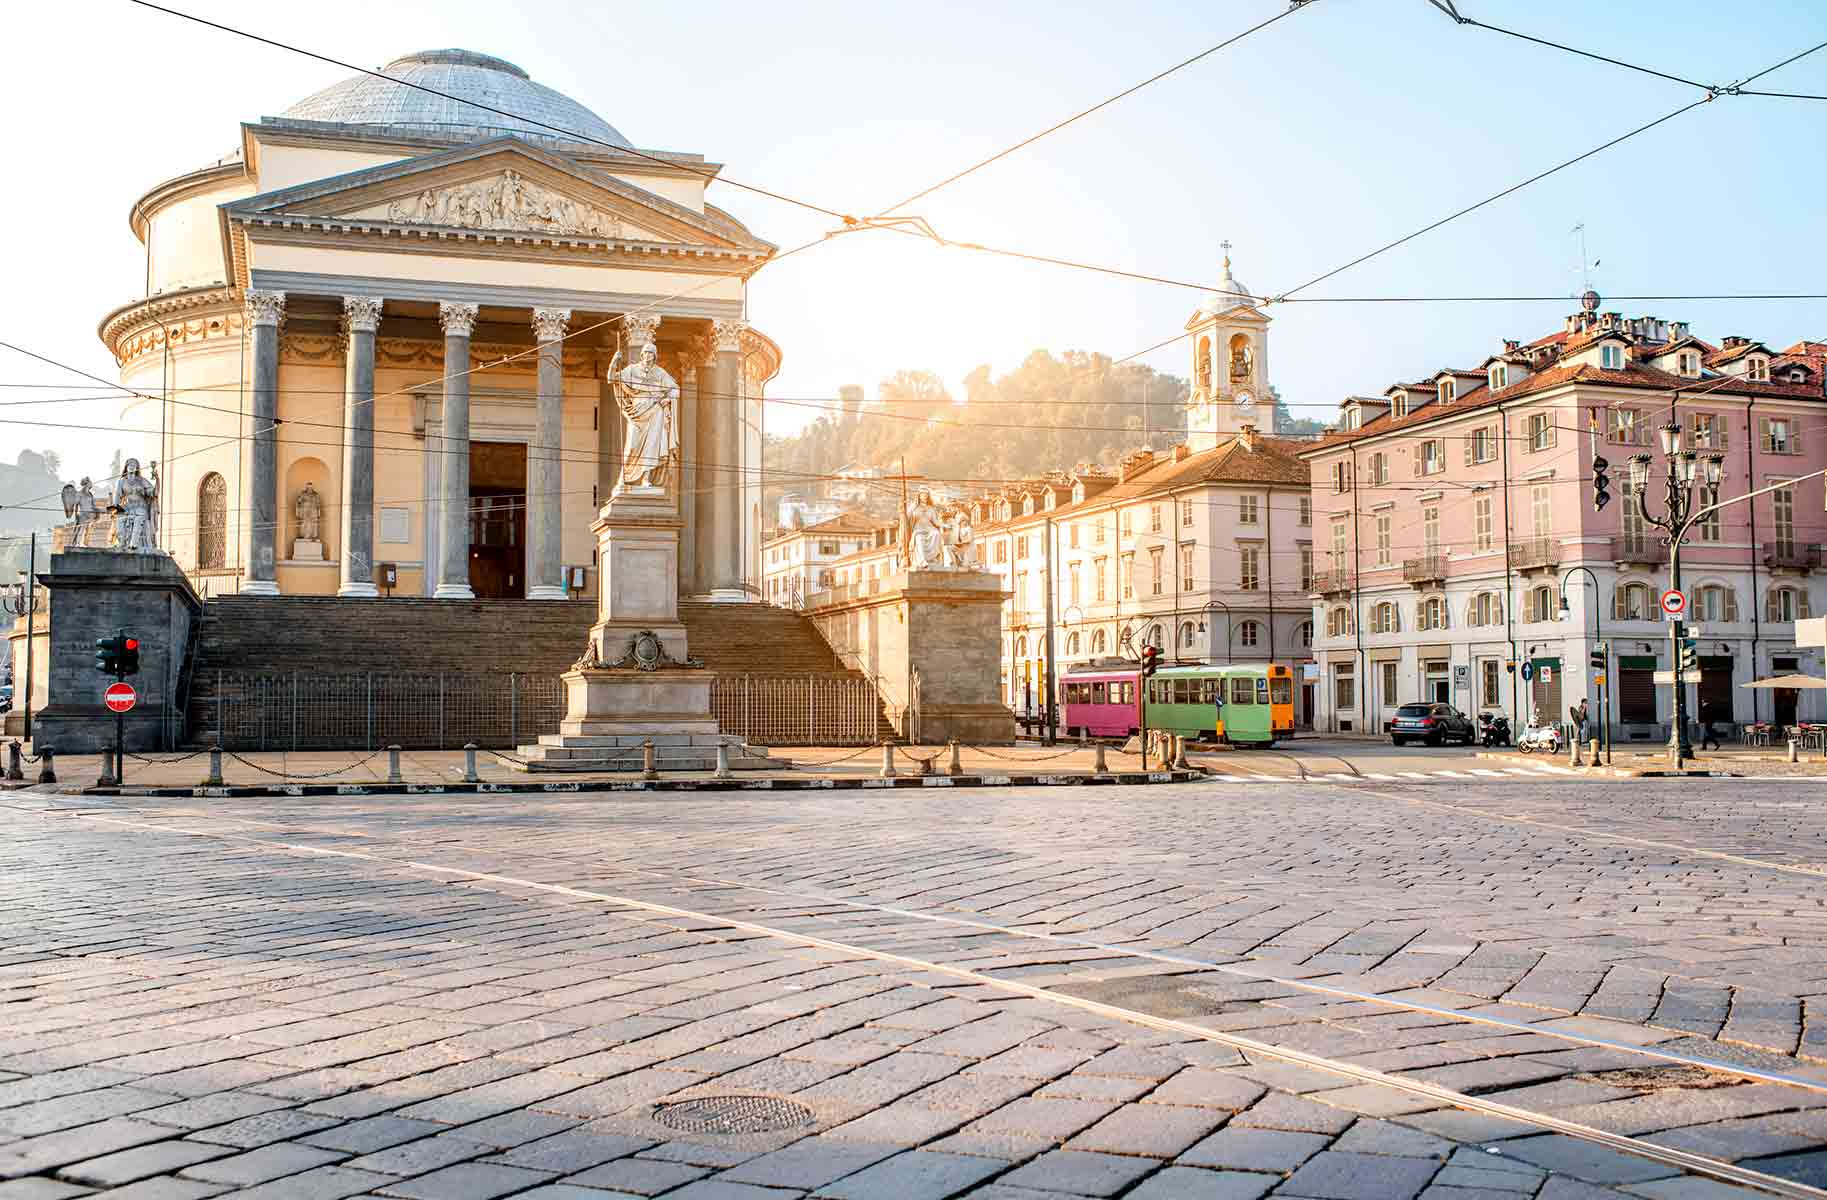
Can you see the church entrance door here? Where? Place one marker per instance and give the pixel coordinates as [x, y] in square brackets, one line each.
[498, 520]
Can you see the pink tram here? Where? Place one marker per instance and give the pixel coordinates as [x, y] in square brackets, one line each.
[1102, 702]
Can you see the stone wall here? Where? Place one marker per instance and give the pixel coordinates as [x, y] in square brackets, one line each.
[94, 594]
[929, 640]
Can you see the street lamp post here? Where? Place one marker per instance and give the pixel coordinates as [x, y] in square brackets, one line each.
[1229, 624]
[1684, 507]
[1598, 638]
[24, 602]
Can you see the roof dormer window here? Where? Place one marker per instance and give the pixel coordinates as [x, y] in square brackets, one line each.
[1757, 367]
[1499, 376]
[1689, 364]
[1401, 406]
[1446, 390]
[1078, 493]
[1027, 507]
[1611, 356]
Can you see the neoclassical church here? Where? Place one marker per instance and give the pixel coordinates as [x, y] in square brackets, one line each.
[374, 338]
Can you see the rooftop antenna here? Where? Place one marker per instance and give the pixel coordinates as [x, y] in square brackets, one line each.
[1586, 266]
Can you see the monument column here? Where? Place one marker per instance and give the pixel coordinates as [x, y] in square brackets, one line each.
[265, 310]
[691, 372]
[723, 479]
[459, 321]
[361, 318]
[545, 504]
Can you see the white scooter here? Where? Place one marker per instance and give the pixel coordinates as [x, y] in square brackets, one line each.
[1545, 738]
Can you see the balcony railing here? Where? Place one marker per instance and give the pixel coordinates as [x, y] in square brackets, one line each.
[1429, 568]
[1333, 583]
[1796, 556]
[1642, 551]
[1533, 554]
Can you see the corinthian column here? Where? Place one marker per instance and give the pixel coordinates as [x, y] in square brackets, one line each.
[361, 318]
[265, 310]
[459, 321]
[545, 508]
[691, 374]
[721, 468]
[639, 329]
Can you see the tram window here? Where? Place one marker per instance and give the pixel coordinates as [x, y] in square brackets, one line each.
[1262, 691]
[1208, 690]
[1097, 692]
[1180, 696]
[1242, 692]
[1281, 690]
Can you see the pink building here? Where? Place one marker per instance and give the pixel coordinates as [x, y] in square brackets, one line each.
[1455, 538]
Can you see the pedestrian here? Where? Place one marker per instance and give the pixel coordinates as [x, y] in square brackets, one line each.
[1579, 716]
[1709, 736]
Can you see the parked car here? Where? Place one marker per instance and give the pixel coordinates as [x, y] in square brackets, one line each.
[1434, 724]
[6, 697]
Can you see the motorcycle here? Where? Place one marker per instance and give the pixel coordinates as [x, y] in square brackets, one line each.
[1545, 738]
[1493, 731]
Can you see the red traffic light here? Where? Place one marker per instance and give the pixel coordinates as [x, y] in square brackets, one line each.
[131, 644]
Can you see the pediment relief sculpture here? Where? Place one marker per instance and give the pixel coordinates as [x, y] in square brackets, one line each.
[509, 201]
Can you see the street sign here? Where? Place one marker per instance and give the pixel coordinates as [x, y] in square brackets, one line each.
[120, 697]
[1462, 678]
[1528, 671]
[1547, 674]
[1688, 678]
[1598, 679]
[1674, 603]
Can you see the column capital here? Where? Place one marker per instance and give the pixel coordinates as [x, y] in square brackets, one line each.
[549, 324]
[726, 336]
[265, 308]
[458, 319]
[640, 327]
[361, 314]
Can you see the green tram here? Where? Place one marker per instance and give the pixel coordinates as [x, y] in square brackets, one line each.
[1247, 705]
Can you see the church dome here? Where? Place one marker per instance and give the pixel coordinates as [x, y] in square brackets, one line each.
[462, 75]
[1230, 294]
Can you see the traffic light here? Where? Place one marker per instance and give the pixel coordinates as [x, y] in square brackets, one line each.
[1596, 659]
[1151, 660]
[108, 655]
[1509, 664]
[1601, 483]
[1690, 654]
[129, 656]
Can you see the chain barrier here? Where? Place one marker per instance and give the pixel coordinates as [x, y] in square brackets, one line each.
[830, 762]
[288, 775]
[1010, 758]
[163, 761]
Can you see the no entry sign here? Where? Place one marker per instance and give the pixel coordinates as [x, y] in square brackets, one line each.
[1674, 603]
[120, 697]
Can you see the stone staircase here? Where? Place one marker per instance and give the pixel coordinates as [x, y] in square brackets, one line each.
[324, 635]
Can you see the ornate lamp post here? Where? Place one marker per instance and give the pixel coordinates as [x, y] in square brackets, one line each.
[1229, 624]
[21, 600]
[1683, 507]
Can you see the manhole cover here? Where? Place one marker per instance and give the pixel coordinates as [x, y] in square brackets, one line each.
[733, 1114]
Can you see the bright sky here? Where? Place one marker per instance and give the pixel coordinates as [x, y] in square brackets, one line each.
[1347, 125]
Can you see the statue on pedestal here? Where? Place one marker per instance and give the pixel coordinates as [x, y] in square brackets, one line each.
[925, 534]
[135, 506]
[79, 506]
[308, 512]
[645, 393]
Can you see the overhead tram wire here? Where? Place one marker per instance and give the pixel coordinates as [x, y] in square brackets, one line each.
[568, 133]
[1294, 6]
[1458, 17]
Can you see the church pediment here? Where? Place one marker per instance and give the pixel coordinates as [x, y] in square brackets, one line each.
[503, 186]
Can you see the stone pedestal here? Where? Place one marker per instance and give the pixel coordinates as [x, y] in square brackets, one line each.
[307, 550]
[637, 681]
[931, 641]
[95, 594]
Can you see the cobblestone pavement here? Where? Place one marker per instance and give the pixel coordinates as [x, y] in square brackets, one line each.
[1185, 990]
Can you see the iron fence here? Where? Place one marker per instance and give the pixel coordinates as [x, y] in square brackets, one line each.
[303, 710]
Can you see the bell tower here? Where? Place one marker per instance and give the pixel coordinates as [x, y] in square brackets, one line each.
[1230, 347]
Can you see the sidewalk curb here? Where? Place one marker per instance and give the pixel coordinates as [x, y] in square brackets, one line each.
[814, 783]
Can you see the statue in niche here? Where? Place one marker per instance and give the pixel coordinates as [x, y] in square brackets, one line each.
[645, 393]
[308, 511]
[135, 505]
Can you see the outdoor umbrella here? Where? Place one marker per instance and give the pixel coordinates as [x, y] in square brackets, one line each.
[1787, 681]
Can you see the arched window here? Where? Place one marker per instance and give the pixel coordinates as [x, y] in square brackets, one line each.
[1154, 637]
[1099, 643]
[1486, 608]
[1072, 643]
[1021, 647]
[1202, 366]
[212, 522]
[1631, 602]
[1186, 635]
[1338, 622]
[1385, 618]
[1786, 604]
[1540, 604]
[1248, 633]
[1716, 603]
[1433, 613]
[1305, 634]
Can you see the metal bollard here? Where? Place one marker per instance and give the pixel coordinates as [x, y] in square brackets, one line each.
[1100, 767]
[46, 769]
[15, 762]
[1180, 763]
[888, 771]
[1792, 757]
[469, 763]
[957, 768]
[215, 766]
[393, 765]
[1084, 735]
[723, 761]
[648, 770]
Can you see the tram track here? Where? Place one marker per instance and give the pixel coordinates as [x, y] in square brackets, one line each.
[1677, 1159]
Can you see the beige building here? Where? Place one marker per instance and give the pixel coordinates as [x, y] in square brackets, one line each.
[797, 562]
[406, 304]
